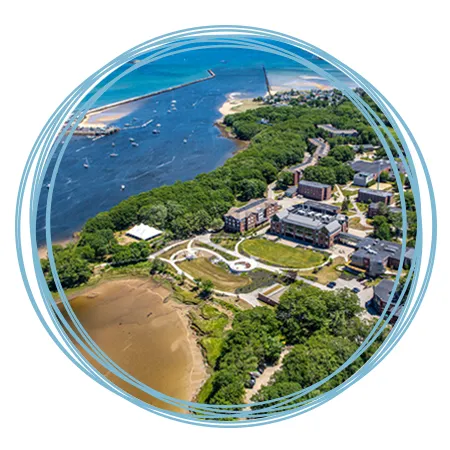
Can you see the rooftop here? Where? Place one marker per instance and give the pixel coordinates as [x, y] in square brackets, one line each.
[313, 184]
[143, 232]
[378, 250]
[309, 219]
[378, 192]
[332, 129]
[383, 289]
[330, 209]
[252, 206]
[370, 167]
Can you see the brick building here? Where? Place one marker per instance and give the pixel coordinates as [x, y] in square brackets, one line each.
[375, 196]
[381, 294]
[308, 226]
[314, 190]
[254, 213]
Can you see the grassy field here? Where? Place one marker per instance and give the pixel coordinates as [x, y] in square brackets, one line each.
[229, 244]
[227, 256]
[363, 207]
[355, 223]
[221, 278]
[173, 250]
[327, 273]
[282, 255]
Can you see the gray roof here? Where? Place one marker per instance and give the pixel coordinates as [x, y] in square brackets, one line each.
[331, 209]
[313, 223]
[333, 226]
[378, 250]
[313, 184]
[291, 190]
[253, 206]
[383, 289]
[371, 167]
[377, 192]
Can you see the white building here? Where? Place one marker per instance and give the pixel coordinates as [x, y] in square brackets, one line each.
[143, 232]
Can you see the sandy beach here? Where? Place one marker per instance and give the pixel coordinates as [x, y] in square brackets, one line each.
[142, 330]
[100, 119]
[234, 104]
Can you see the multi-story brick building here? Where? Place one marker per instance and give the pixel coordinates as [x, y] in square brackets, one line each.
[314, 190]
[254, 213]
[308, 226]
[375, 196]
[381, 295]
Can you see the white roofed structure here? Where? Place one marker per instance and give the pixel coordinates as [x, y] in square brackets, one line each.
[143, 232]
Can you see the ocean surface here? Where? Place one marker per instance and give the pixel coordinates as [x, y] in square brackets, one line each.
[164, 158]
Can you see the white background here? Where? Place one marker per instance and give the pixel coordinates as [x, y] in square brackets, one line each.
[48, 48]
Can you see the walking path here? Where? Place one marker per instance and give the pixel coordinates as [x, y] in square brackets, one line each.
[265, 377]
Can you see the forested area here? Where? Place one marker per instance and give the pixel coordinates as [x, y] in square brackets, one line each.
[322, 326]
[187, 208]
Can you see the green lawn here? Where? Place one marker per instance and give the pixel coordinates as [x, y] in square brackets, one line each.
[221, 278]
[355, 223]
[327, 273]
[282, 255]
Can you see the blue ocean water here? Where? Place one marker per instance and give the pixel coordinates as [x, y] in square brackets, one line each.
[164, 158]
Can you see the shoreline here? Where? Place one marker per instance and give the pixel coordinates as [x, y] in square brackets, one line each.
[125, 328]
[240, 146]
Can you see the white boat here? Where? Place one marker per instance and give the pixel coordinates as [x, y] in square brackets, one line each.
[48, 186]
[135, 144]
[173, 101]
[131, 139]
[122, 187]
[86, 164]
[185, 140]
[155, 131]
[113, 155]
[158, 125]
[113, 144]
[169, 111]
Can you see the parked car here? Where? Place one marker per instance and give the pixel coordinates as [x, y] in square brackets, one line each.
[331, 284]
[250, 383]
[355, 290]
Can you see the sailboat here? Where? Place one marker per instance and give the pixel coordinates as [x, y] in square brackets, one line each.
[86, 164]
[122, 187]
[113, 144]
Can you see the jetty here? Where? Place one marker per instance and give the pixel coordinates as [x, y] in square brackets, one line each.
[266, 78]
[95, 131]
[210, 76]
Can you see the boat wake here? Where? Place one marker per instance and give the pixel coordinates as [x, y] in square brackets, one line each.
[166, 163]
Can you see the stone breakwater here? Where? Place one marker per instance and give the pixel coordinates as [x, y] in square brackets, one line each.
[152, 94]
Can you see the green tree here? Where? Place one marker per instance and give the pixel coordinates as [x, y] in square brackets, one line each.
[285, 179]
[381, 228]
[251, 188]
[342, 153]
